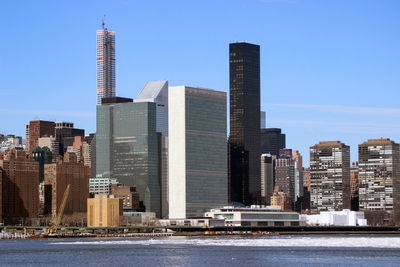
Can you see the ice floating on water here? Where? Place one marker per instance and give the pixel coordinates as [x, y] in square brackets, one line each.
[372, 242]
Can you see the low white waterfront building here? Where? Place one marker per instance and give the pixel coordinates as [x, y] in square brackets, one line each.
[255, 216]
[336, 218]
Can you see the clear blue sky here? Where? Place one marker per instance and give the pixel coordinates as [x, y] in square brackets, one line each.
[330, 70]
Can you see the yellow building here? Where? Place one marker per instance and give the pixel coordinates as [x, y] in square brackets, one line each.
[104, 211]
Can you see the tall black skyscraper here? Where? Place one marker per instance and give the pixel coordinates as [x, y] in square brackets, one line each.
[244, 141]
[272, 140]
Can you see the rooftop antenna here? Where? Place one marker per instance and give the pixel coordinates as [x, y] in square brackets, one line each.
[102, 23]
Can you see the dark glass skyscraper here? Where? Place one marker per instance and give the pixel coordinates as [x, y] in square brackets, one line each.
[244, 141]
[272, 140]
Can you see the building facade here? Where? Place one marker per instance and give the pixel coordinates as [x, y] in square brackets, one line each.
[104, 211]
[105, 64]
[36, 129]
[244, 139]
[68, 171]
[329, 176]
[379, 178]
[267, 177]
[127, 148]
[272, 140]
[20, 187]
[255, 216]
[197, 151]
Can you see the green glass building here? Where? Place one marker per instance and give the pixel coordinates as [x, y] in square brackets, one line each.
[127, 147]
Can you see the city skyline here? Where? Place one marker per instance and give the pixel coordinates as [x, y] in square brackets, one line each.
[309, 51]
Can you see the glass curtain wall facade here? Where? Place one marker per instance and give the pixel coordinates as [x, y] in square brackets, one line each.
[244, 139]
[127, 149]
[197, 151]
[379, 179]
[105, 64]
[272, 140]
[329, 176]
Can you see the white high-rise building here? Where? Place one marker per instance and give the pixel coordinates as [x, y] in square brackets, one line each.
[197, 155]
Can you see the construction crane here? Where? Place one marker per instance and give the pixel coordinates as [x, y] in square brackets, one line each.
[53, 229]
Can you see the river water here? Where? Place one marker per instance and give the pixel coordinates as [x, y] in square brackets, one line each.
[205, 251]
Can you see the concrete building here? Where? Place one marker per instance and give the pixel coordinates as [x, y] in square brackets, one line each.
[272, 140]
[36, 129]
[281, 199]
[65, 135]
[329, 176]
[354, 186]
[379, 180]
[197, 151]
[244, 139]
[68, 171]
[105, 64]
[101, 185]
[127, 148]
[255, 216]
[87, 150]
[11, 142]
[104, 211]
[51, 143]
[285, 175]
[267, 177]
[77, 148]
[20, 187]
[306, 178]
[128, 194]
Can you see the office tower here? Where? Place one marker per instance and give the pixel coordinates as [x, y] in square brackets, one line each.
[93, 156]
[285, 174]
[379, 179]
[20, 187]
[87, 150]
[36, 129]
[65, 135]
[127, 147]
[164, 177]
[263, 119]
[272, 140]
[354, 186]
[77, 148]
[298, 180]
[130, 198]
[68, 171]
[105, 64]
[197, 160]
[157, 92]
[306, 178]
[244, 139]
[267, 177]
[329, 176]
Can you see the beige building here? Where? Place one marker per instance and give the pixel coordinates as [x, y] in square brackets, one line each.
[104, 211]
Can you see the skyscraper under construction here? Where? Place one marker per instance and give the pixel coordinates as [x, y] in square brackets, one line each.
[105, 63]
